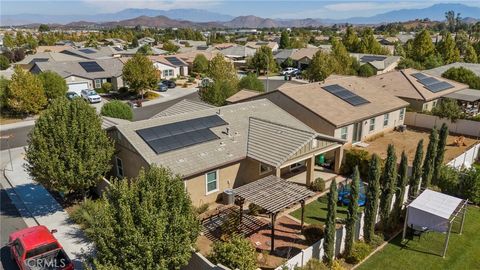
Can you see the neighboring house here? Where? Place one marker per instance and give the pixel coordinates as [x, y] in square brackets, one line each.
[242, 95]
[189, 43]
[214, 149]
[303, 57]
[381, 63]
[257, 44]
[131, 52]
[238, 52]
[283, 54]
[475, 68]
[31, 59]
[170, 66]
[189, 57]
[421, 90]
[117, 42]
[349, 108]
[146, 41]
[85, 74]
[90, 53]
[56, 49]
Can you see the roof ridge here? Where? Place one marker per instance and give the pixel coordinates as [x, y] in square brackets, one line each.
[411, 83]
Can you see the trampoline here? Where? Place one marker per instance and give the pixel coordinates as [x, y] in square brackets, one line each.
[344, 194]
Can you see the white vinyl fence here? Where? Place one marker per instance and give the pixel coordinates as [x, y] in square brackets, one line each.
[466, 159]
[461, 126]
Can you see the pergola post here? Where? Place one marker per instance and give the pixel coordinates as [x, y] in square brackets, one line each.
[302, 203]
[272, 240]
[463, 216]
[446, 239]
[310, 170]
[240, 202]
[405, 226]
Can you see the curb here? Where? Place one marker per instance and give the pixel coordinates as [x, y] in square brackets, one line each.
[22, 124]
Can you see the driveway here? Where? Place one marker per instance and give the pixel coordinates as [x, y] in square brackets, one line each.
[170, 94]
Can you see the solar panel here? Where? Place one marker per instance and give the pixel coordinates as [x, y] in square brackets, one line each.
[87, 51]
[419, 76]
[438, 87]
[175, 61]
[117, 49]
[91, 66]
[371, 58]
[182, 134]
[346, 95]
[428, 81]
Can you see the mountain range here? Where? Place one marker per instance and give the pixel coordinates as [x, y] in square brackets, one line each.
[205, 19]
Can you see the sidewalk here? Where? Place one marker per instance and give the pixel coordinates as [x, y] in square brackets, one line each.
[45, 210]
[25, 123]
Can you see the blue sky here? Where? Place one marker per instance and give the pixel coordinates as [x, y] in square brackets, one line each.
[262, 8]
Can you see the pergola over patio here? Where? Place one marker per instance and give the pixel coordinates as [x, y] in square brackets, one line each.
[435, 211]
[273, 194]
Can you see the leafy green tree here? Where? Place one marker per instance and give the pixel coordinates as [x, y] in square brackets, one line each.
[400, 190]
[200, 64]
[416, 171]
[9, 41]
[170, 47]
[67, 150]
[450, 20]
[463, 75]
[140, 74]
[53, 84]
[369, 44]
[263, 60]
[470, 55]
[236, 253]
[216, 93]
[91, 41]
[433, 61]
[117, 109]
[4, 62]
[343, 58]
[389, 177]
[43, 28]
[448, 108]
[330, 224]
[18, 54]
[284, 40]
[462, 41]
[469, 186]
[409, 63]
[31, 42]
[219, 69]
[373, 194]
[429, 162]
[447, 48]
[3, 92]
[134, 43]
[145, 50]
[251, 82]
[25, 94]
[287, 63]
[352, 215]
[367, 70]
[20, 39]
[351, 40]
[145, 223]
[422, 46]
[442, 143]
[321, 66]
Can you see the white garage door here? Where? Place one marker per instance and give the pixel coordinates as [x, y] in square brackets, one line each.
[77, 87]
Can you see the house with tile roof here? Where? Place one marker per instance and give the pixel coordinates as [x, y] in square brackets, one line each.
[348, 108]
[219, 148]
[381, 63]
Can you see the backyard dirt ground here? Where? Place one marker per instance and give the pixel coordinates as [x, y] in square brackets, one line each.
[408, 141]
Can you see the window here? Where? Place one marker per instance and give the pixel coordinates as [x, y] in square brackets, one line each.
[344, 133]
[168, 72]
[212, 181]
[18, 248]
[434, 104]
[402, 113]
[263, 168]
[295, 166]
[372, 124]
[425, 107]
[119, 164]
[98, 83]
[385, 119]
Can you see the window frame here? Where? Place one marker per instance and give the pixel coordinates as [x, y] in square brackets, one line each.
[97, 83]
[386, 119]
[268, 170]
[402, 114]
[207, 192]
[118, 168]
[342, 134]
[371, 126]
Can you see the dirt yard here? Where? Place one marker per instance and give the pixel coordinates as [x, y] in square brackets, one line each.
[408, 141]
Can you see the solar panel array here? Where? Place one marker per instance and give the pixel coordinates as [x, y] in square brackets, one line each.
[91, 66]
[346, 95]
[371, 58]
[182, 134]
[431, 83]
[175, 61]
[87, 51]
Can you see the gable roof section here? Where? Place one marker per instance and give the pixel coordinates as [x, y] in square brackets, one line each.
[111, 68]
[272, 143]
[183, 106]
[242, 94]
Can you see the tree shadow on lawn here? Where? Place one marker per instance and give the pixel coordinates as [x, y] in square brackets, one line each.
[397, 241]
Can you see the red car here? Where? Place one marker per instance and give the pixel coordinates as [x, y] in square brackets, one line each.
[37, 248]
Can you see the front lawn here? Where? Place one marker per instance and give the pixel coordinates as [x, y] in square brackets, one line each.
[463, 250]
[316, 211]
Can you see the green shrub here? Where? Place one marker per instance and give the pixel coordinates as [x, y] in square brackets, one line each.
[254, 209]
[107, 87]
[202, 208]
[376, 241]
[151, 95]
[230, 226]
[191, 79]
[313, 233]
[123, 90]
[360, 251]
[313, 264]
[236, 253]
[86, 212]
[117, 109]
[318, 185]
[366, 70]
[354, 157]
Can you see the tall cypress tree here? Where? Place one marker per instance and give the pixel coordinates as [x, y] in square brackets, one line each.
[442, 142]
[389, 178]
[330, 230]
[416, 171]
[401, 184]
[352, 215]
[429, 162]
[373, 194]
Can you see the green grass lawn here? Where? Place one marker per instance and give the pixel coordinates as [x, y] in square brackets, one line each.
[316, 211]
[463, 250]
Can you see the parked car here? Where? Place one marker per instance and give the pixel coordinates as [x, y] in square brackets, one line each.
[162, 87]
[169, 83]
[37, 248]
[91, 96]
[71, 95]
[289, 71]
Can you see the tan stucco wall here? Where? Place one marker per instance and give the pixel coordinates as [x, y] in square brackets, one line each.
[420, 105]
[132, 161]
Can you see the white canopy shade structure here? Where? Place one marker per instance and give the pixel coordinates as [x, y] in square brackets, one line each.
[435, 211]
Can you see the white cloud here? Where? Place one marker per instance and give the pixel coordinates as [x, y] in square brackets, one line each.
[117, 5]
